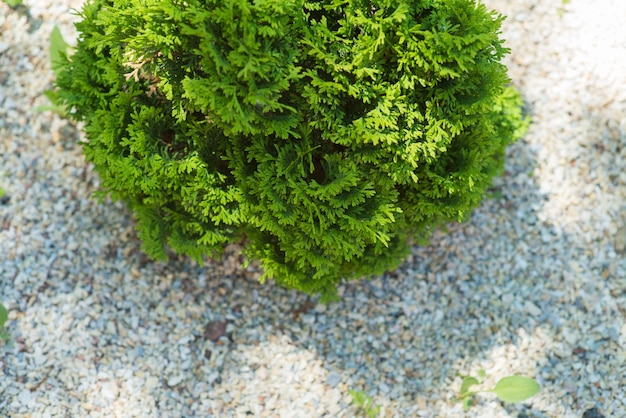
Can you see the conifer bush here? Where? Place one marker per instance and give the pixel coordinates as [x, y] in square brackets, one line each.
[324, 134]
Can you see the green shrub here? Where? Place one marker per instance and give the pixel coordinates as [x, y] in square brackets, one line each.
[326, 133]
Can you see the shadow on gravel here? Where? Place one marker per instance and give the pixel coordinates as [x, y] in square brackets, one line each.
[475, 298]
[511, 291]
[215, 335]
[97, 328]
[455, 306]
[499, 292]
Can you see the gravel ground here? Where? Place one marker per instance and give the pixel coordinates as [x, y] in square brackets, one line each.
[533, 284]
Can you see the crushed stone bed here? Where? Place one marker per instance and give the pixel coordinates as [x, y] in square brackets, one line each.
[533, 284]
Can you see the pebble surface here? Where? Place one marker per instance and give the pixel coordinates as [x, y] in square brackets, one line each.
[533, 284]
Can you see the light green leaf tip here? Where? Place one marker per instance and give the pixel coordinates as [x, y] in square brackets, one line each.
[467, 383]
[516, 388]
[57, 46]
[467, 403]
[4, 315]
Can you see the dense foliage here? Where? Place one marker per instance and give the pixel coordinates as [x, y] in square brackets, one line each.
[324, 133]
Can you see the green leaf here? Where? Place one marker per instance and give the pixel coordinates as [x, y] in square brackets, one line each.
[4, 315]
[57, 47]
[467, 403]
[59, 110]
[13, 3]
[468, 382]
[516, 388]
[55, 105]
[52, 95]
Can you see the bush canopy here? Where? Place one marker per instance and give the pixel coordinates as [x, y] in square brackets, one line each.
[324, 134]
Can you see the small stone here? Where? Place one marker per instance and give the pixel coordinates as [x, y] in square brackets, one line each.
[321, 308]
[39, 357]
[175, 380]
[620, 240]
[25, 397]
[334, 409]
[570, 337]
[333, 379]
[214, 330]
[139, 351]
[593, 413]
[212, 377]
[109, 390]
[152, 382]
[531, 308]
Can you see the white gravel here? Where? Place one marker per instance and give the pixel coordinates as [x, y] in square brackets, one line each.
[534, 283]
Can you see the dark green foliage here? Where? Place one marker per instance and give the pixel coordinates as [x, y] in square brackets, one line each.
[326, 133]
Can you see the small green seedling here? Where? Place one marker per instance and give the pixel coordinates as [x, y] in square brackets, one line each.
[508, 389]
[364, 403]
[58, 48]
[4, 316]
